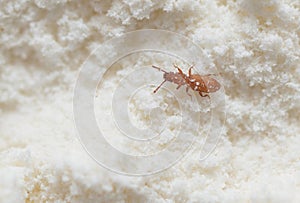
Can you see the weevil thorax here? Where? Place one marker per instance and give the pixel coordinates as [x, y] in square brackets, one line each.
[196, 83]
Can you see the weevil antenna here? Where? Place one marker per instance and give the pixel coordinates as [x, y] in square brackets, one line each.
[159, 86]
[159, 69]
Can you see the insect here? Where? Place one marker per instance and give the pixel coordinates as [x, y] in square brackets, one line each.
[199, 83]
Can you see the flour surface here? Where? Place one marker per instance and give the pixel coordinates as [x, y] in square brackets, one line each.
[254, 44]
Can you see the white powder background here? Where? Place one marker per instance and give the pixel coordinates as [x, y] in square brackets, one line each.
[255, 44]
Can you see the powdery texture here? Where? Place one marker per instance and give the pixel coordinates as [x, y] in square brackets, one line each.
[254, 43]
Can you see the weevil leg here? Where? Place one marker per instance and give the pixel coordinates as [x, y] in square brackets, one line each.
[214, 74]
[204, 95]
[190, 70]
[178, 87]
[179, 70]
[176, 66]
[187, 91]
[159, 86]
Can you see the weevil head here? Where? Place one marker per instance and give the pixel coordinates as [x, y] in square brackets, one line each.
[167, 76]
[170, 76]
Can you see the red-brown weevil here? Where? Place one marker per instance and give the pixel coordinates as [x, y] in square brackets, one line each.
[199, 83]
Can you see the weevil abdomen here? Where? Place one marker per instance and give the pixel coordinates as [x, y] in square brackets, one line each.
[211, 84]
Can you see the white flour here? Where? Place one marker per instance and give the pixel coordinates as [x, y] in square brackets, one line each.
[255, 45]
